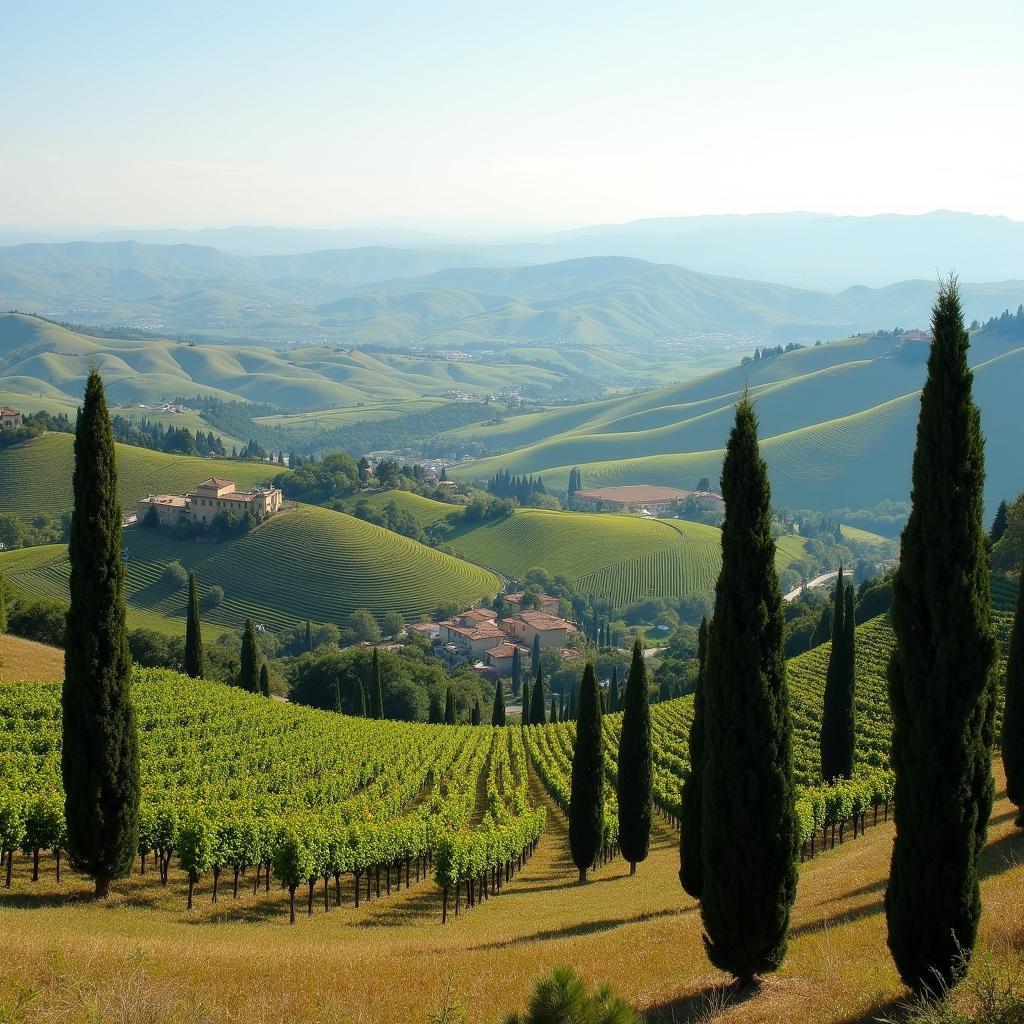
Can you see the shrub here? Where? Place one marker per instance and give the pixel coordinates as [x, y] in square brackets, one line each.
[175, 575]
[214, 597]
[563, 998]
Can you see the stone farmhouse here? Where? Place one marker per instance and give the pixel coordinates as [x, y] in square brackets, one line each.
[548, 603]
[9, 418]
[201, 506]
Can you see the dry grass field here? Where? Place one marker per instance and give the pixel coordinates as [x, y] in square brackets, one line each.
[142, 958]
[25, 660]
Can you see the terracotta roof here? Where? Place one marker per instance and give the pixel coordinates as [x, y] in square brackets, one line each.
[485, 631]
[541, 620]
[479, 615]
[175, 500]
[507, 650]
[215, 481]
[6, 410]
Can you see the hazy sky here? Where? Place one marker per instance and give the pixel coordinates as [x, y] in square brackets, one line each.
[219, 112]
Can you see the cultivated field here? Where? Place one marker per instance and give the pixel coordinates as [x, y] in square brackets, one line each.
[305, 563]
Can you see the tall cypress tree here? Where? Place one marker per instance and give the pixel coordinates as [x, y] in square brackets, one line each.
[691, 854]
[554, 710]
[517, 671]
[941, 683]
[999, 523]
[538, 699]
[360, 696]
[474, 715]
[376, 689]
[586, 796]
[249, 660]
[264, 680]
[435, 713]
[498, 708]
[193, 633]
[527, 710]
[449, 707]
[535, 656]
[1013, 713]
[613, 690]
[749, 828]
[634, 777]
[100, 747]
[838, 720]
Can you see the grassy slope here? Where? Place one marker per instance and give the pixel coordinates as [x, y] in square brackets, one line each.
[838, 433]
[624, 558]
[22, 660]
[35, 477]
[304, 563]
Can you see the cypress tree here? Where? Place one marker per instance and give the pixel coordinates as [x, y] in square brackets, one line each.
[554, 710]
[537, 699]
[613, 690]
[517, 671]
[309, 635]
[941, 684]
[634, 777]
[449, 707]
[1013, 713]
[535, 656]
[249, 672]
[376, 690]
[586, 797]
[337, 695]
[264, 680]
[691, 857]
[361, 699]
[100, 748]
[525, 717]
[838, 720]
[999, 523]
[474, 715]
[435, 715]
[193, 633]
[498, 708]
[749, 829]
[824, 629]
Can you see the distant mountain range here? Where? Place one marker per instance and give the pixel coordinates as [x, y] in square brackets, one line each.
[441, 298]
[806, 250]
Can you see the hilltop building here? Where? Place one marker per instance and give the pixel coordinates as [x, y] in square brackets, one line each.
[645, 498]
[552, 630]
[518, 603]
[9, 418]
[210, 497]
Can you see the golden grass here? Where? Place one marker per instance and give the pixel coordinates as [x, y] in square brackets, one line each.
[26, 661]
[142, 957]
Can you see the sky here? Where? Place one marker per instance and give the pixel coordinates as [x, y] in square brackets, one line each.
[201, 114]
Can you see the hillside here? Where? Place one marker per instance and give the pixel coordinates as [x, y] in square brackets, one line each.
[837, 426]
[35, 477]
[600, 298]
[306, 563]
[621, 558]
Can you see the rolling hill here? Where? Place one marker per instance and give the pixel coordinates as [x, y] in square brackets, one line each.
[345, 297]
[35, 477]
[305, 563]
[837, 425]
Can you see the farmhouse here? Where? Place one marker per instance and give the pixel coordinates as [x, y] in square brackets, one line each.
[501, 657]
[210, 497]
[471, 634]
[640, 497]
[553, 631]
[9, 418]
[518, 603]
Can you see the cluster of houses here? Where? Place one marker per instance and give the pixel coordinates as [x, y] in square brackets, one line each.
[489, 642]
[201, 506]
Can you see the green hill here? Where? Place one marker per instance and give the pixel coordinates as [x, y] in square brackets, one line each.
[35, 477]
[305, 563]
[837, 426]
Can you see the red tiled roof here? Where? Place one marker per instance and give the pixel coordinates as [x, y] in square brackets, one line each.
[542, 620]
[215, 481]
[507, 650]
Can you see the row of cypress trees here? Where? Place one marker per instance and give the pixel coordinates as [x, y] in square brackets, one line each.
[739, 831]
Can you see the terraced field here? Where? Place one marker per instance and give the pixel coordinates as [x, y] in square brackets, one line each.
[306, 563]
[35, 477]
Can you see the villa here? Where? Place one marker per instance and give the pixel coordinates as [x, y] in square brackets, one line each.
[211, 497]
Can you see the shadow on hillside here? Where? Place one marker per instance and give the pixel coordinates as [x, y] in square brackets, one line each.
[1002, 854]
[400, 909]
[701, 1006]
[577, 931]
[839, 919]
[18, 899]
[890, 1010]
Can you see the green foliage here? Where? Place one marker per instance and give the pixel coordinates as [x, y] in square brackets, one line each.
[691, 850]
[449, 707]
[498, 708]
[193, 633]
[375, 689]
[586, 800]
[562, 998]
[99, 754]
[250, 660]
[538, 698]
[941, 683]
[634, 764]
[838, 723]
[1013, 712]
[264, 680]
[749, 813]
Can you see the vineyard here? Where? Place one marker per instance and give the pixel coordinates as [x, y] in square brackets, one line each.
[306, 563]
[235, 786]
[35, 477]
